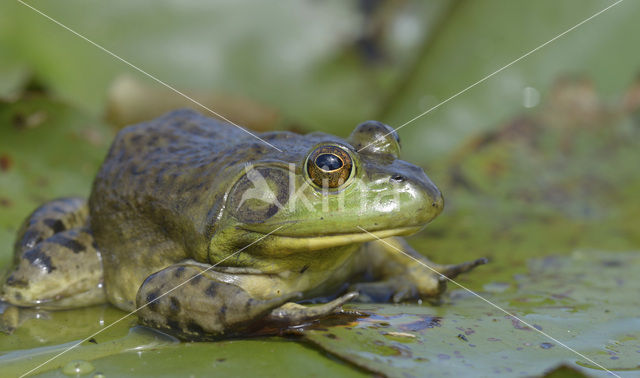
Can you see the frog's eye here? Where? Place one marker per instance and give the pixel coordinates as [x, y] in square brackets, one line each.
[375, 137]
[329, 166]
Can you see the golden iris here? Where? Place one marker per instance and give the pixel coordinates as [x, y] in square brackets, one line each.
[329, 166]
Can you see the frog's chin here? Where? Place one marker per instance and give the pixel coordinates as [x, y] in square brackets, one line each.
[308, 242]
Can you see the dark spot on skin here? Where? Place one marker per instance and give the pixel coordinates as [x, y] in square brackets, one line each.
[304, 268]
[178, 272]
[272, 211]
[72, 244]
[151, 300]
[173, 324]
[211, 290]
[174, 305]
[194, 281]
[92, 340]
[37, 257]
[5, 162]
[223, 314]
[195, 328]
[248, 304]
[136, 138]
[56, 225]
[135, 171]
[12, 281]
[18, 296]
[31, 238]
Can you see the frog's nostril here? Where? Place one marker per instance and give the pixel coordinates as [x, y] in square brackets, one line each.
[397, 178]
[438, 203]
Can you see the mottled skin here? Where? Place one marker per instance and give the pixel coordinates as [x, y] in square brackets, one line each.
[174, 202]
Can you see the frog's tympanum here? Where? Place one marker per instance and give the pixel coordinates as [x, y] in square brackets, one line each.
[213, 233]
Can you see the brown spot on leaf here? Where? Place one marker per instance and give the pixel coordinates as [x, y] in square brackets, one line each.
[5, 162]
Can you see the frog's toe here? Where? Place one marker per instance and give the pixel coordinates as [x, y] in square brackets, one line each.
[336, 304]
[294, 314]
[452, 271]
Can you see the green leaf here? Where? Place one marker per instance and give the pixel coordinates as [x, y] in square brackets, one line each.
[587, 301]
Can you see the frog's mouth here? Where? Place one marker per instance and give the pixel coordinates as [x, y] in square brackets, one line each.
[283, 240]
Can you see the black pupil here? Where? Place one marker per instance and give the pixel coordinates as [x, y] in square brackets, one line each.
[328, 162]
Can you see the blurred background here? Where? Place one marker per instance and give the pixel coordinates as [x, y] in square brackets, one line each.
[541, 159]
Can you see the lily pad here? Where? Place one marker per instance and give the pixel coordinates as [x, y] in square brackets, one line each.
[588, 301]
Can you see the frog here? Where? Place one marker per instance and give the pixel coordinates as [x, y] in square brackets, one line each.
[206, 230]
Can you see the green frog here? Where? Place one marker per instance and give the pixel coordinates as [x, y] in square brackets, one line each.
[206, 231]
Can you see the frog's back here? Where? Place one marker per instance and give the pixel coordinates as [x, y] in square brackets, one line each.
[153, 198]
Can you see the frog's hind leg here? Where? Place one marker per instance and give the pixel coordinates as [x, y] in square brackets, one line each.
[56, 262]
[194, 303]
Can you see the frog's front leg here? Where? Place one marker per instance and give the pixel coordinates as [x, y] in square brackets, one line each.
[198, 304]
[403, 273]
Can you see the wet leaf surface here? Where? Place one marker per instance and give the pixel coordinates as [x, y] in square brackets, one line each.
[587, 301]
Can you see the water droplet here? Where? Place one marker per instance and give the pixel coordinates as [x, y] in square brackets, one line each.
[78, 367]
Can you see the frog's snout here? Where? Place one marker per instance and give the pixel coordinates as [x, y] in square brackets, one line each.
[435, 199]
[431, 197]
[438, 202]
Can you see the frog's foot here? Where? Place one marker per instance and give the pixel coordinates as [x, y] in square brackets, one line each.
[290, 314]
[417, 281]
[56, 263]
[407, 274]
[431, 282]
[397, 289]
[194, 304]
